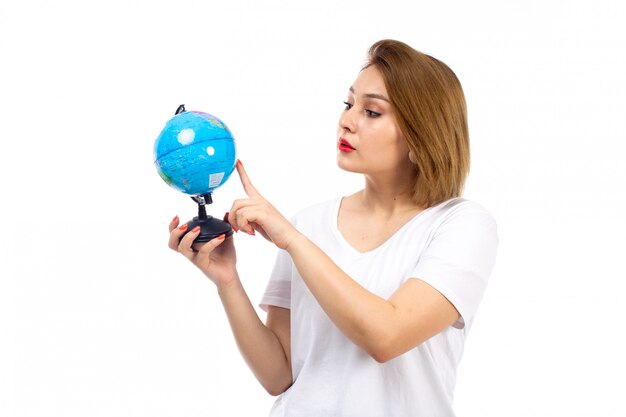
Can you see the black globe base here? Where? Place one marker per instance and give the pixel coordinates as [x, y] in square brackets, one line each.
[210, 228]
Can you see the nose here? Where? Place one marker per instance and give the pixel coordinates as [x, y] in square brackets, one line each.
[346, 121]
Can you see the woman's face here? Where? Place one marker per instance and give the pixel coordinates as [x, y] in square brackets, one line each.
[368, 138]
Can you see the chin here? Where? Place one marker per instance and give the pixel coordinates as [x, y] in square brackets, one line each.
[346, 166]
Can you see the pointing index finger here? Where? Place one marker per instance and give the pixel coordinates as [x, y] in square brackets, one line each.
[245, 181]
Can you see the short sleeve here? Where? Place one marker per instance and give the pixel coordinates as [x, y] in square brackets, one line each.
[460, 257]
[278, 290]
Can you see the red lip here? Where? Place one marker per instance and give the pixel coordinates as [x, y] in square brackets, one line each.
[345, 146]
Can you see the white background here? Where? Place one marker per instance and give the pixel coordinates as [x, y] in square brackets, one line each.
[99, 318]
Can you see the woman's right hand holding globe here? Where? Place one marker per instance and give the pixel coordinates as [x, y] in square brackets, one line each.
[216, 258]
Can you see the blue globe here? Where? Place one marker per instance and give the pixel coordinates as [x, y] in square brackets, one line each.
[195, 153]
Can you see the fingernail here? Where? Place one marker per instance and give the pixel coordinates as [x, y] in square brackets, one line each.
[221, 237]
[239, 162]
[235, 229]
[175, 219]
[183, 226]
[226, 217]
[251, 233]
[195, 229]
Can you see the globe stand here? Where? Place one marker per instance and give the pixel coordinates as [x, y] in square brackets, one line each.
[210, 227]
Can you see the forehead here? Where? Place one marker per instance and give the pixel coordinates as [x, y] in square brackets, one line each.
[369, 81]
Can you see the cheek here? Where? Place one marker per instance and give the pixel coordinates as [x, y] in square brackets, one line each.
[395, 149]
[385, 153]
[400, 142]
[393, 140]
[403, 148]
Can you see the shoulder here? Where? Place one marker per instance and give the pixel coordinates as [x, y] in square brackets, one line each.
[461, 221]
[462, 210]
[464, 221]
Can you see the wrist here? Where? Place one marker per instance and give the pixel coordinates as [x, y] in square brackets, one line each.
[296, 240]
[226, 286]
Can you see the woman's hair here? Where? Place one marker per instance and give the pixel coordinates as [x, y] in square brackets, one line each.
[430, 111]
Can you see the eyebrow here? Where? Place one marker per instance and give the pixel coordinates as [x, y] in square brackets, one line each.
[372, 95]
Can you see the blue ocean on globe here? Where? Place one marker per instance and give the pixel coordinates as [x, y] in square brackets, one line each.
[195, 153]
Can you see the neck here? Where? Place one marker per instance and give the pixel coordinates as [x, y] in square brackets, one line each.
[388, 195]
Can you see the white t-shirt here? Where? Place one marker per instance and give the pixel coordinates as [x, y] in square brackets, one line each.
[451, 246]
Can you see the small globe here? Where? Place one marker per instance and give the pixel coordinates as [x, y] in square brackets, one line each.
[195, 153]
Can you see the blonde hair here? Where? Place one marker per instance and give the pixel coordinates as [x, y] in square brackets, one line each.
[430, 110]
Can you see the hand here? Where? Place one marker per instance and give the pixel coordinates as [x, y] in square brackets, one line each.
[216, 258]
[256, 214]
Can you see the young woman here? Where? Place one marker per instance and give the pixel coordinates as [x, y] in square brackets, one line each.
[372, 295]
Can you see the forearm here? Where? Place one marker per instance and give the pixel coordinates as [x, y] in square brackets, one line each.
[259, 345]
[361, 315]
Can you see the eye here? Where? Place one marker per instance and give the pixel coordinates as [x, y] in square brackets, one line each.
[348, 105]
[371, 113]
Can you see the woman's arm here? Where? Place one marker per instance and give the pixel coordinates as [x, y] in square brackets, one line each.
[384, 328]
[264, 347]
